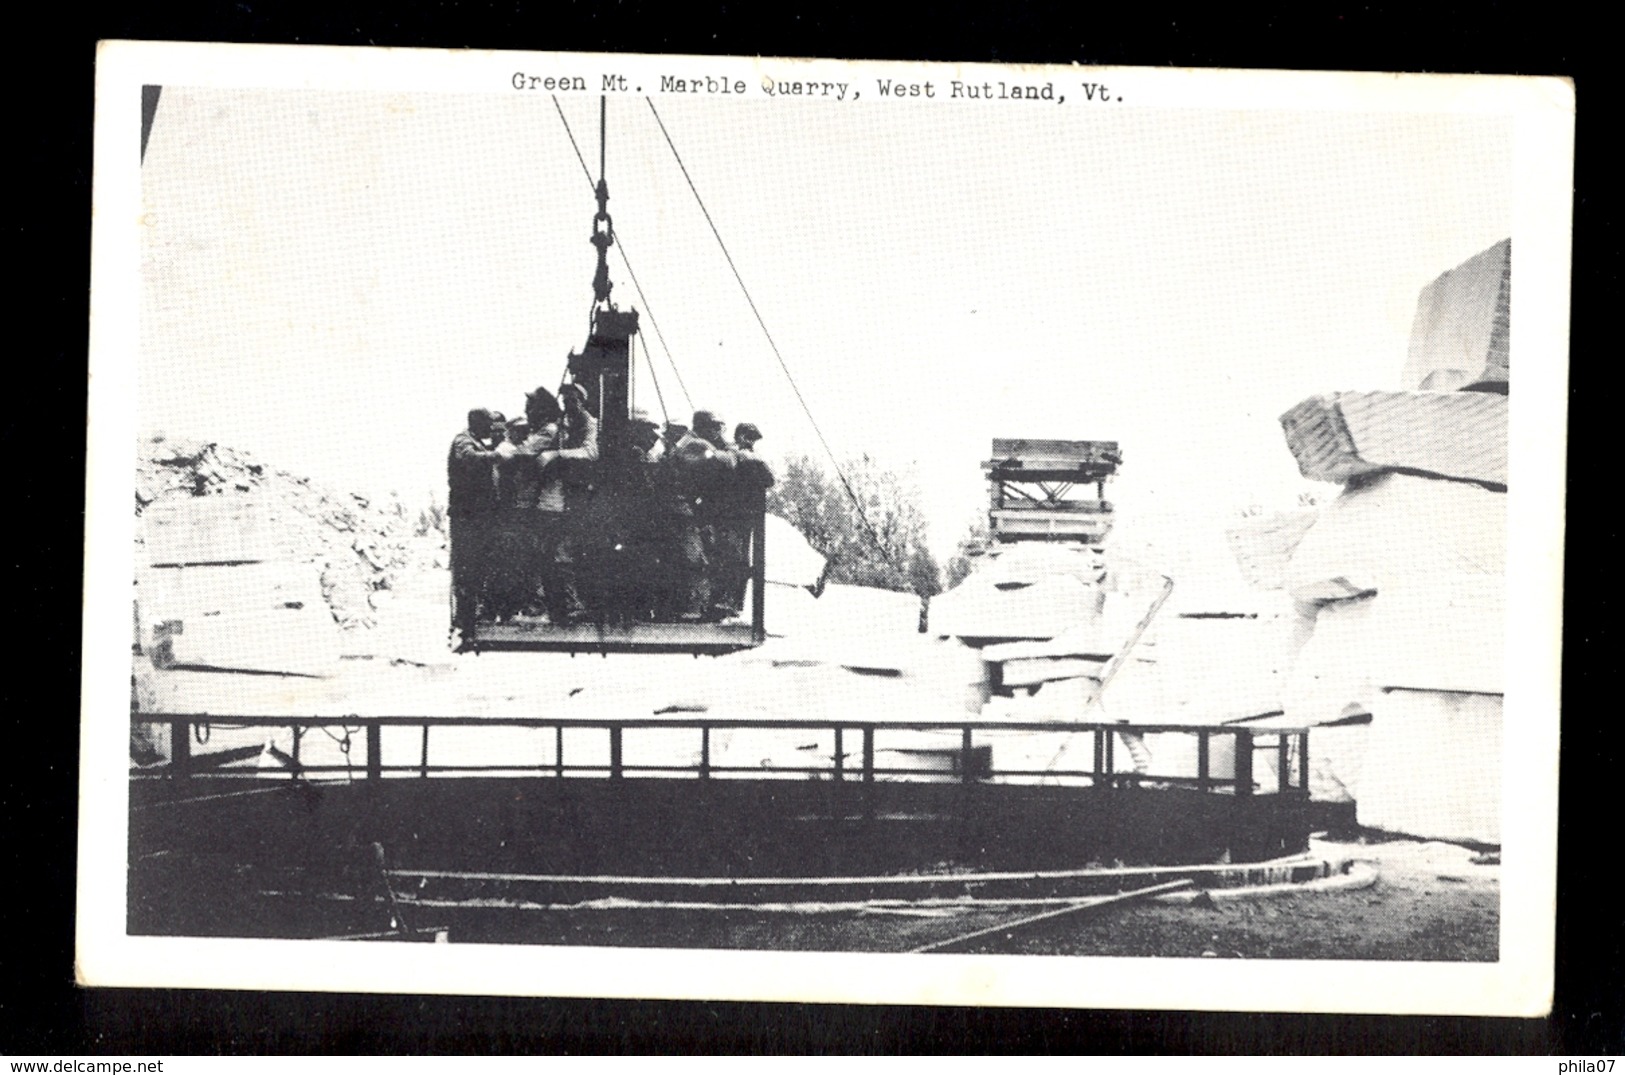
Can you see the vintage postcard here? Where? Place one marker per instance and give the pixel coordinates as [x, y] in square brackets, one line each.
[792, 529]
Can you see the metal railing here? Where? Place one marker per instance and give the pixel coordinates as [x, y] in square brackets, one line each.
[969, 762]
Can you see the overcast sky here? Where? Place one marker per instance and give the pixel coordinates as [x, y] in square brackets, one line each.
[331, 280]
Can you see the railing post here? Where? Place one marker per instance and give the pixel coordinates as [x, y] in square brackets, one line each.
[1202, 760]
[375, 751]
[298, 738]
[1111, 757]
[758, 574]
[423, 760]
[966, 758]
[1244, 762]
[869, 754]
[1303, 761]
[180, 747]
[1283, 763]
[1100, 758]
[705, 752]
[615, 753]
[558, 751]
[840, 756]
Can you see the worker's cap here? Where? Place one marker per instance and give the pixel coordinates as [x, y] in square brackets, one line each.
[747, 431]
[497, 418]
[705, 418]
[640, 417]
[573, 389]
[540, 393]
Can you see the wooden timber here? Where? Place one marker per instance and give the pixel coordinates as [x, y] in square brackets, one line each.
[1030, 487]
[684, 637]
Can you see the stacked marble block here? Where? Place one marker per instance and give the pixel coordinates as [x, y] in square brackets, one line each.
[1399, 583]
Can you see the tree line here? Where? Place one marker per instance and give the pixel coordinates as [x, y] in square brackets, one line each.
[878, 536]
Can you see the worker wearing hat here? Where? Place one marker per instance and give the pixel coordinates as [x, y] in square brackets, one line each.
[739, 504]
[670, 437]
[539, 513]
[575, 438]
[644, 433]
[514, 482]
[512, 576]
[705, 447]
[701, 463]
[541, 408]
[618, 534]
[578, 429]
[470, 506]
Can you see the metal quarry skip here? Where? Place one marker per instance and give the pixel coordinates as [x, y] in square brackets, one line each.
[587, 526]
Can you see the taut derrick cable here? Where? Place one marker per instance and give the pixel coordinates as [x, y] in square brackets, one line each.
[857, 502]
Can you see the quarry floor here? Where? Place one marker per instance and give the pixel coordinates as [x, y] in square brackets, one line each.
[1431, 902]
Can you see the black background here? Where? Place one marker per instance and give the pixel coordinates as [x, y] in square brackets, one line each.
[51, 99]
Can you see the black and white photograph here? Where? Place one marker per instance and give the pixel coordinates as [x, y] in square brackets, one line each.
[741, 528]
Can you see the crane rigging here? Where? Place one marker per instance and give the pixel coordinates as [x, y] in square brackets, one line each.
[636, 552]
[616, 239]
[619, 243]
[637, 537]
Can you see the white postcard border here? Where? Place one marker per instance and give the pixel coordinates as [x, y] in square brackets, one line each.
[1519, 984]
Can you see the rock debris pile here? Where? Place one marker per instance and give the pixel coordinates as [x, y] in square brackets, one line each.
[362, 547]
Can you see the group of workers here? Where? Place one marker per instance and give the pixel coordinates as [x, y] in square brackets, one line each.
[642, 525]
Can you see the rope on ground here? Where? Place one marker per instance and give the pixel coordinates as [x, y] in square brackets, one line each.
[1027, 920]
